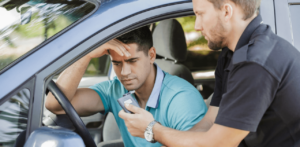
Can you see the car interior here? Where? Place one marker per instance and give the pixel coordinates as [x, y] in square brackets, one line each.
[173, 56]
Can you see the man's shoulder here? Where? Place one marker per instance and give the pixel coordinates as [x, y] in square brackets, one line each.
[109, 84]
[174, 84]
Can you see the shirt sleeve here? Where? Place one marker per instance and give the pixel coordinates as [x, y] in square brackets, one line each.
[185, 110]
[103, 91]
[250, 91]
[217, 96]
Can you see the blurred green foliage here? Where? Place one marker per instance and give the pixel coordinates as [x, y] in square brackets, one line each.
[39, 28]
[199, 41]
[6, 60]
[187, 23]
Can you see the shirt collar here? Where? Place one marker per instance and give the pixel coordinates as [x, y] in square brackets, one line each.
[154, 96]
[245, 38]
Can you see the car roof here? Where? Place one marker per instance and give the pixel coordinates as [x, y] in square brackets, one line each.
[105, 15]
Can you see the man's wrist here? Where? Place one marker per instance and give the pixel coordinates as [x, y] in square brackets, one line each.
[155, 130]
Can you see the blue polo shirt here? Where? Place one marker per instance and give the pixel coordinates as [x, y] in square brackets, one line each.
[173, 102]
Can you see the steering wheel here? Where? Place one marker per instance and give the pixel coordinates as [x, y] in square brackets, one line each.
[72, 114]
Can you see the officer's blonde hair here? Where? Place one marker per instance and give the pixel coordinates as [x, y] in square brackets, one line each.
[250, 7]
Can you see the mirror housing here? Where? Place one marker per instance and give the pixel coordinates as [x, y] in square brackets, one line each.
[54, 137]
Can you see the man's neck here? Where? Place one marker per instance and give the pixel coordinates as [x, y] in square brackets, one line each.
[239, 28]
[144, 92]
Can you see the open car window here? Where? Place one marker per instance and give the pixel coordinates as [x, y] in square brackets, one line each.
[27, 23]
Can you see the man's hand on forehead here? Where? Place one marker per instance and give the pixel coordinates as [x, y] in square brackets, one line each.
[112, 45]
[119, 47]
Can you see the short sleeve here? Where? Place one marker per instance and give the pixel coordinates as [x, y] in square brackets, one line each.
[250, 91]
[219, 74]
[217, 96]
[103, 91]
[185, 110]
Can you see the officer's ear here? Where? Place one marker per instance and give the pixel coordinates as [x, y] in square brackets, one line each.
[227, 11]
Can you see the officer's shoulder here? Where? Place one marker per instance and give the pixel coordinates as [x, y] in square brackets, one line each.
[259, 49]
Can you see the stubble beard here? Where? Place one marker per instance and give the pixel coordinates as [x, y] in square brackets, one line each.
[217, 43]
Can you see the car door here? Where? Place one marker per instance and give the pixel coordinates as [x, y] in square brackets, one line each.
[288, 20]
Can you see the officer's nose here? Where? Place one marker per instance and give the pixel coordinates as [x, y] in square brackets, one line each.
[198, 25]
[126, 70]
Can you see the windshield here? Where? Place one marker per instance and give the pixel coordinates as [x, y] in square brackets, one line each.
[26, 24]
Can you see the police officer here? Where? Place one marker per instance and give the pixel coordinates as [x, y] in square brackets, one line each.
[256, 102]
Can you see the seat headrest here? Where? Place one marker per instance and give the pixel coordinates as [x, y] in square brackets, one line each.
[169, 40]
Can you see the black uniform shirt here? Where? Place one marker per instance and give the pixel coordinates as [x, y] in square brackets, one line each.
[258, 88]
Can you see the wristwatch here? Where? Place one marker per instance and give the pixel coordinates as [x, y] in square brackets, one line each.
[149, 136]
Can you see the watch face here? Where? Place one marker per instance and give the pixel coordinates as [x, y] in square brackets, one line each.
[148, 136]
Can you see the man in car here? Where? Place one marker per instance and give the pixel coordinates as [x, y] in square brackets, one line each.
[257, 97]
[172, 101]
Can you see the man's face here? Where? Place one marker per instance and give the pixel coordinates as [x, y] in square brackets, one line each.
[209, 23]
[131, 71]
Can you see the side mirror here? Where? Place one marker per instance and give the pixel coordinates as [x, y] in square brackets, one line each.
[26, 14]
[54, 137]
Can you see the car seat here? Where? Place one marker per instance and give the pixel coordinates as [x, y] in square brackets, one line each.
[171, 49]
[111, 133]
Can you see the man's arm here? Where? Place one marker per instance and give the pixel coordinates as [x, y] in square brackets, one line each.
[85, 101]
[208, 120]
[68, 82]
[216, 135]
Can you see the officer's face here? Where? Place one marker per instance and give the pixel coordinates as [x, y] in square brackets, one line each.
[208, 22]
[133, 71]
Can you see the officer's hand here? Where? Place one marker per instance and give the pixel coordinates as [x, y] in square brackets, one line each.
[136, 123]
[115, 45]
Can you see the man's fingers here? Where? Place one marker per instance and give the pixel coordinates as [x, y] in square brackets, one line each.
[123, 114]
[123, 47]
[132, 108]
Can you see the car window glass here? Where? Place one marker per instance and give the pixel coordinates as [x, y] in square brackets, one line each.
[200, 60]
[295, 18]
[98, 67]
[26, 24]
[200, 57]
[13, 117]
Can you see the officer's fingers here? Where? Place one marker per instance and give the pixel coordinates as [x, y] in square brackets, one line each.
[132, 108]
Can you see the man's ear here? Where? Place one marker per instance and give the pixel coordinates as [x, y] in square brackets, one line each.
[152, 54]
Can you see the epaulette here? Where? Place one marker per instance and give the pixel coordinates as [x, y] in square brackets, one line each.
[240, 55]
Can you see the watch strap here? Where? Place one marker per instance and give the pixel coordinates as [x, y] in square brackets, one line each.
[149, 128]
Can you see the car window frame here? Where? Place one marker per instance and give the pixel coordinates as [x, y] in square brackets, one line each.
[99, 38]
[283, 19]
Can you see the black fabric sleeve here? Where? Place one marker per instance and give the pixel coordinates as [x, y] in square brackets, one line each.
[250, 91]
[217, 96]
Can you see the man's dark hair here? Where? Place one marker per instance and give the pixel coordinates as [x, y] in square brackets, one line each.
[141, 36]
[250, 7]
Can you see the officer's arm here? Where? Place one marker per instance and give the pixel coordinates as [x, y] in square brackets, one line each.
[208, 120]
[216, 136]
